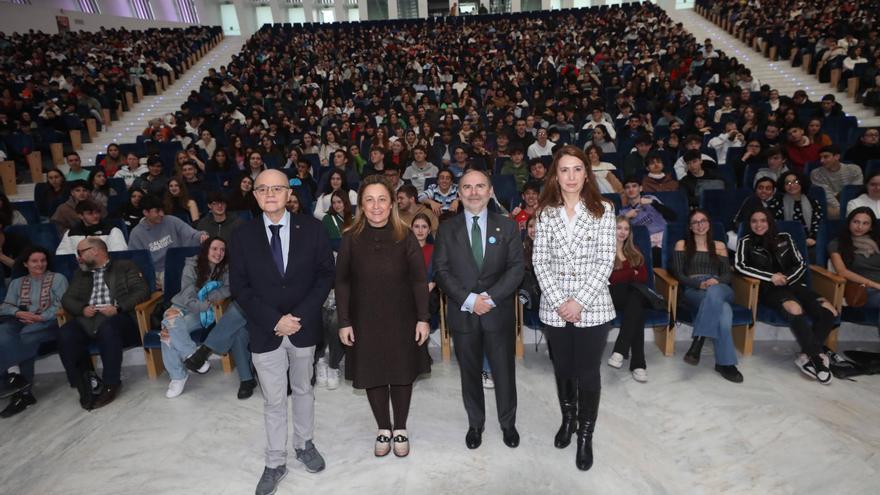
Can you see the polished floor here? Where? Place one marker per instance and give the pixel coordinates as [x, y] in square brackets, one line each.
[687, 431]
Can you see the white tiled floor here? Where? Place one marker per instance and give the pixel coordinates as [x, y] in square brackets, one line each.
[687, 431]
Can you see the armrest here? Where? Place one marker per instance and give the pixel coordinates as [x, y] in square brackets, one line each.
[667, 286]
[62, 317]
[143, 312]
[828, 285]
[745, 293]
[220, 307]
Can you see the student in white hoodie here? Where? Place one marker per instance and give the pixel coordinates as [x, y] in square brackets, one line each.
[131, 169]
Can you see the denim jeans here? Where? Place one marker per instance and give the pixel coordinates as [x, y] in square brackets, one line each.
[19, 343]
[228, 335]
[873, 300]
[714, 319]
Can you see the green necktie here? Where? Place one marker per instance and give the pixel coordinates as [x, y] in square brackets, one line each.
[477, 242]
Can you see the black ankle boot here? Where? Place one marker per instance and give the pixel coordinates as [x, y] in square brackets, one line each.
[692, 356]
[566, 389]
[588, 409]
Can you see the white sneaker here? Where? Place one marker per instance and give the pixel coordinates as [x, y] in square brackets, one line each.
[488, 382]
[321, 373]
[616, 360]
[332, 379]
[204, 369]
[640, 375]
[175, 388]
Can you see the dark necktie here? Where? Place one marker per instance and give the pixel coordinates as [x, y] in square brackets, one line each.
[277, 255]
[477, 241]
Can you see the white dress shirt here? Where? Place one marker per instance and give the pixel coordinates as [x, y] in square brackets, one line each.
[284, 233]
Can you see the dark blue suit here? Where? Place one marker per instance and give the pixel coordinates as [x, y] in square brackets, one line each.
[266, 296]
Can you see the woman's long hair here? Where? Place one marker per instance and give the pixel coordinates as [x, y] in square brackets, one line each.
[401, 229]
[170, 201]
[552, 194]
[769, 237]
[347, 215]
[845, 239]
[630, 251]
[204, 272]
[690, 241]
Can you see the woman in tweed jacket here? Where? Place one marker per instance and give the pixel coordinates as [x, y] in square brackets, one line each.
[573, 257]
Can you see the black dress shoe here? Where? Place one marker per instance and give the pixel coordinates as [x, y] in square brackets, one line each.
[13, 384]
[84, 387]
[19, 403]
[511, 437]
[474, 438]
[107, 396]
[730, 373]
[246, 389]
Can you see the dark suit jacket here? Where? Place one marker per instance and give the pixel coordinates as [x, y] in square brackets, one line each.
[127, 285]
[265, 296]
[455, 271]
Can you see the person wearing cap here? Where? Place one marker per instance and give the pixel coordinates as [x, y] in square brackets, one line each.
[66, 216]
[217, 222]
[157, 233]
[154, 181]
[91, 225]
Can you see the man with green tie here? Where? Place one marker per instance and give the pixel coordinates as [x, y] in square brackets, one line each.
[478, 262]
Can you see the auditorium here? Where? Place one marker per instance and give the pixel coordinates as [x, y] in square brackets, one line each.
[525, 246]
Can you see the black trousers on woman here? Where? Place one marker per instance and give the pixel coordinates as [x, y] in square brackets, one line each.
[577, 353]
[810, 336]
[630, 305]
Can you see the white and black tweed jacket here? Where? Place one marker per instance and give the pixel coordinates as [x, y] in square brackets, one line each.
[575, 265]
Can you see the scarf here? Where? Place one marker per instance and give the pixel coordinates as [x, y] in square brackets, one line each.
[806, 208]
[865, 246]
[24, 294]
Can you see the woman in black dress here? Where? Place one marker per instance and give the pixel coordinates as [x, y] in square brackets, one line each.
[382, 303]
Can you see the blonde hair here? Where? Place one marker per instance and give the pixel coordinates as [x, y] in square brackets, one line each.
[401, 229]
[630, 251]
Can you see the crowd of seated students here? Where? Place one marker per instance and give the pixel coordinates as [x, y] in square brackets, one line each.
[49, 84]
[656, 111]
[839, 34]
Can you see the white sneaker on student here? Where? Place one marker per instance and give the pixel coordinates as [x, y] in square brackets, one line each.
[321, 373]
[616, 360]
[175, 388]
[332, 379]
[488, 382]
[640, 375]
[205, 368]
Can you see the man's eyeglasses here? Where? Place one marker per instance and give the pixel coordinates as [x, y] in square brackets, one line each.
[264, 190]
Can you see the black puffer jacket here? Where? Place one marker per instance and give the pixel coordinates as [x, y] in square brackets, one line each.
[754, 260]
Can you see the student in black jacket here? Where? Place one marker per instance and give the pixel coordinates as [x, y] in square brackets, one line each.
[773, 258]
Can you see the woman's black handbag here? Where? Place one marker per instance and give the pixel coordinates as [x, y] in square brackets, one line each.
[655, 301]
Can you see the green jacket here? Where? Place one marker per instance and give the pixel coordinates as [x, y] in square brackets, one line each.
[127, 285]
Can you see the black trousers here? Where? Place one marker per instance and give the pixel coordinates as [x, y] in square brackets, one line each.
[498, 347]
[114, 334]
[577, 353]
[630, 304]
[810, 336]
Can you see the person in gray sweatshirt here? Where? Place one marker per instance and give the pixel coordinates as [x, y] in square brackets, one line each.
[157, 233]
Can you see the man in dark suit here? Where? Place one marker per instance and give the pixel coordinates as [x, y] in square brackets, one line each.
[478, 262]
[100, 299]
[281, 270]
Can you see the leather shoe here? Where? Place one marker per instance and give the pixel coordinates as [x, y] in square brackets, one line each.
[511, 437]
[474, 438]
[246, 389]
[107, 396]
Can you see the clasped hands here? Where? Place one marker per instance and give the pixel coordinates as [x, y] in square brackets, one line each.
[287, 325]
[106, 310]
[570, 311]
